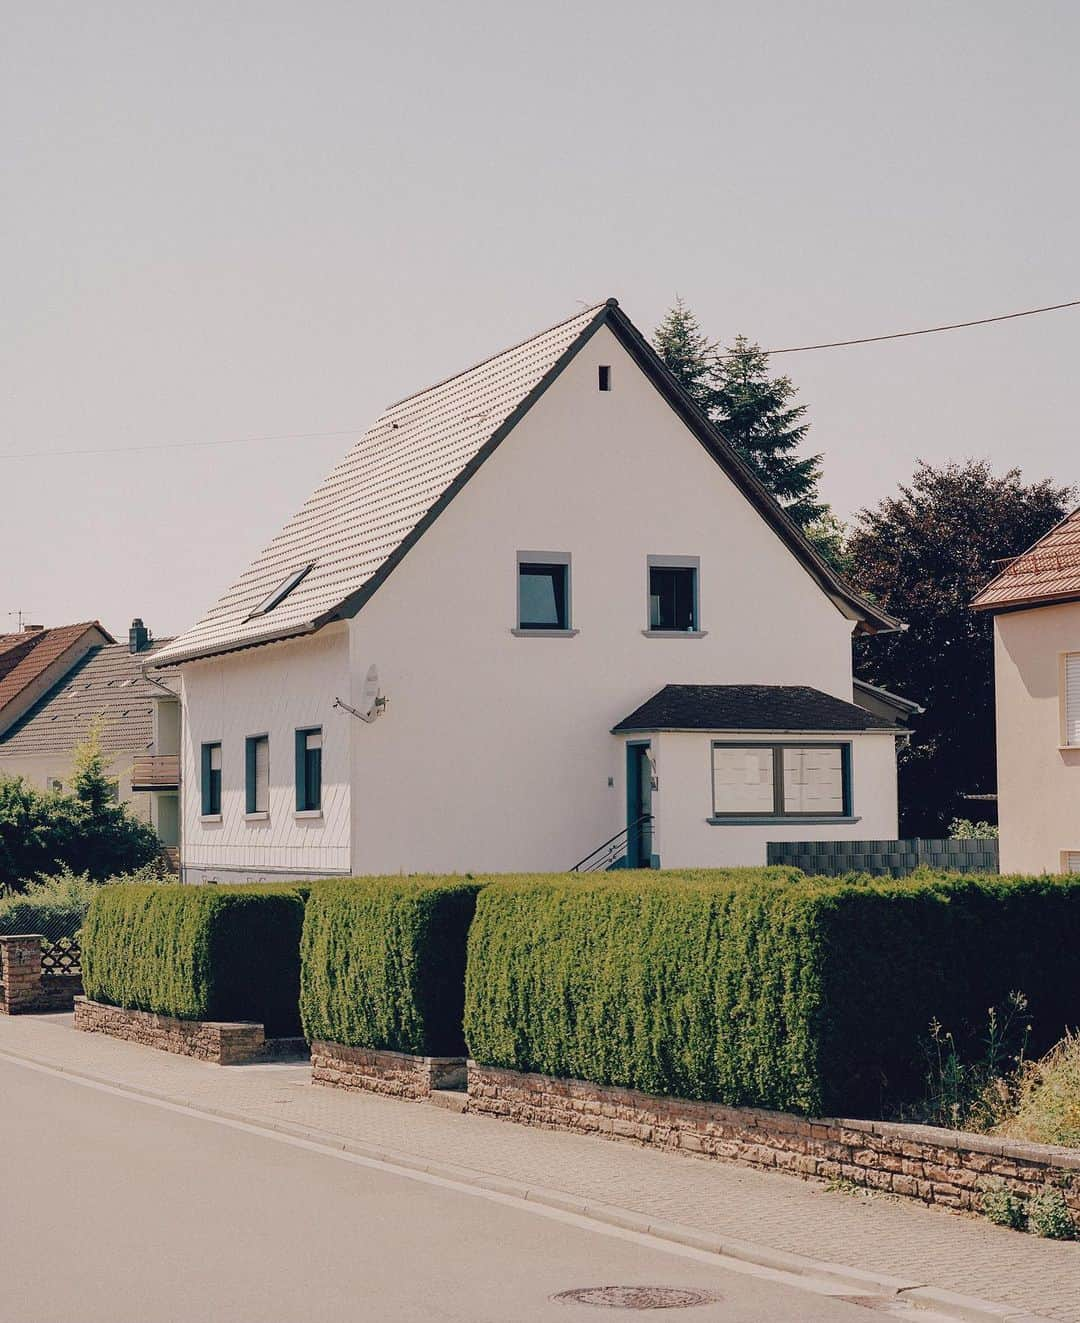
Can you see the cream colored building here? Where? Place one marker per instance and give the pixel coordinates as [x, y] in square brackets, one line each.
[1036, 606]
[540, 612]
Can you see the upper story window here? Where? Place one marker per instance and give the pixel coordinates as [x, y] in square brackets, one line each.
[1071, 704]
[211, 780]
[673, 595]
[257, 773]
[543, 591]
[309, 770]
[603, 377]
[781, 780]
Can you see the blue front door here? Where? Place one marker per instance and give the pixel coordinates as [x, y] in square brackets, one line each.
[638, 806]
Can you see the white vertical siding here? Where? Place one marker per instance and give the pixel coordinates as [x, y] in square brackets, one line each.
[273, 690]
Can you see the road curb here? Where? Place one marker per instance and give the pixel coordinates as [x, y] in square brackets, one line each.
[839, 1276]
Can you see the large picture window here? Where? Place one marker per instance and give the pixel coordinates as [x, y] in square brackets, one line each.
[781, 780]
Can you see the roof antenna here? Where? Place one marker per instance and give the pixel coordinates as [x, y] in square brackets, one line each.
[22, 616]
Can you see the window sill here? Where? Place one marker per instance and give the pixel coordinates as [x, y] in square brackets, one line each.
[1069, 748]
[210, 818]
[543, 633]
[307, 815]
[256, 817]
[791, 820]
[675, 633]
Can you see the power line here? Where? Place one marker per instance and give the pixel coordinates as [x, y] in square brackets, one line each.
[926, 330]
[355, 431]
[177, 445]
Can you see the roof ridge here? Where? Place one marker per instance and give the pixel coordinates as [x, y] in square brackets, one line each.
[510, 349]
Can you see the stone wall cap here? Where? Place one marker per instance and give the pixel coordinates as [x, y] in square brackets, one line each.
[22, 937]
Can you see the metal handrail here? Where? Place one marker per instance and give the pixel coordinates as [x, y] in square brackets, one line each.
[610, 849]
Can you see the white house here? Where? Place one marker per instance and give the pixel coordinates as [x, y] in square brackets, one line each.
[588, 620]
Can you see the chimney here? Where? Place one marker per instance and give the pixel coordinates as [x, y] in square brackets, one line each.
[139, 637]
[33, 629]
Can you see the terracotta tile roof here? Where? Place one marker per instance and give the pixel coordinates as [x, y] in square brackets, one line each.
[374, 505]
[1047, 572]
[106, 686]
[46, 646]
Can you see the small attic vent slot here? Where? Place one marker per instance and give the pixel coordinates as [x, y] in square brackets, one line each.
[604, 377]
[281, 591]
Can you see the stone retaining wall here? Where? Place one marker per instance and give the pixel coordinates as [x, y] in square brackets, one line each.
[395, 1073]
[946, 1167]
[225, 1043]
[23, 987]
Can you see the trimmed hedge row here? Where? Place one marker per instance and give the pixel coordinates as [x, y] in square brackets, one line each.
[803, 994]
[197, 953]
[383, 963]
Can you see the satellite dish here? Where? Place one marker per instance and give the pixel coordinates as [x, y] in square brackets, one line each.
[369, 695]
[371, 704]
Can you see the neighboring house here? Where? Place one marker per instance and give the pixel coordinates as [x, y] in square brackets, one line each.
[584, 618]
[1036, 605]
[139, 727]
[34, 659]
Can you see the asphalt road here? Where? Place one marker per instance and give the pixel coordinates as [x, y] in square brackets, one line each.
[114, 1210]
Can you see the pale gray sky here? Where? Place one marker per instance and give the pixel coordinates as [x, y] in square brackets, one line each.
[239, 219]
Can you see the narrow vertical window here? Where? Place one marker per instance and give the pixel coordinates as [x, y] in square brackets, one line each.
[604, 377]
[211, 780]
[257, 773]
[309, 770]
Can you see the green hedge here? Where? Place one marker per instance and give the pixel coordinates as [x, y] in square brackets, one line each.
[804, 994]
[197, 953]
[383, 963]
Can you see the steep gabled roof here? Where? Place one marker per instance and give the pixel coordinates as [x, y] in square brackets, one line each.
[398, 478]
[775, 708]
[33, 652]
[106, 687]
[1048, 572]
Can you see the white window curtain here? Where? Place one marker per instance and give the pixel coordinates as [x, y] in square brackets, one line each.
[742, 780]
[262, 776]
[1072, 698]
[813, 780]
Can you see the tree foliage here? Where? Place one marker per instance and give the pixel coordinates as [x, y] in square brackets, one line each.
[86, 831]
[923, 555]
[755, 412]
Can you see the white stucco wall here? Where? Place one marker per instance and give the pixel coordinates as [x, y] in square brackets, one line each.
[682, 802]
[1038, 781]
[495, 752]
[40, 768]
[272, 690]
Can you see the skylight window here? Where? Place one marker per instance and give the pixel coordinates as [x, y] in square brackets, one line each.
[281, 591]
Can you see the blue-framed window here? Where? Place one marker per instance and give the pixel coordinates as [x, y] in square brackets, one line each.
[791, 780]
[309, 769]
[210, 780]
[257, 774]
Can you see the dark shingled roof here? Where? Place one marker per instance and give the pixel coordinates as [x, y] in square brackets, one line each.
[766, 707]
[106, 686]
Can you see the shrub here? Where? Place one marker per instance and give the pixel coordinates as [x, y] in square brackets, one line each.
[1049, 1216]
[383, 963]
[963, 829]
[805, 994]
[197, 953]
[1005, 1208]
[1047, 1107]
[56, 906]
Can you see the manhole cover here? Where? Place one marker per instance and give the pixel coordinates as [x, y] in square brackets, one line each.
[636, 1297]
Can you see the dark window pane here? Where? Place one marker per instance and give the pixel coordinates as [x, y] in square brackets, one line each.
[313, 779]
[671, 597]
[542, 597]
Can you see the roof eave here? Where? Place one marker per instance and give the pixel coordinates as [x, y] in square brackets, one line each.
[757, 730]
[1027, 603]
[203, 653]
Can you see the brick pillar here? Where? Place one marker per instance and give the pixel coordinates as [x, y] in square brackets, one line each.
[20, 972]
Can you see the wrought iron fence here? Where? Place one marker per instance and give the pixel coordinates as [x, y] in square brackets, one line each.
[60, 957]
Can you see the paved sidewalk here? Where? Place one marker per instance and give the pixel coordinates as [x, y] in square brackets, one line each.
[874, 1233]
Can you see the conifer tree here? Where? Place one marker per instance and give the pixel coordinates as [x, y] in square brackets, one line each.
[684, 349]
